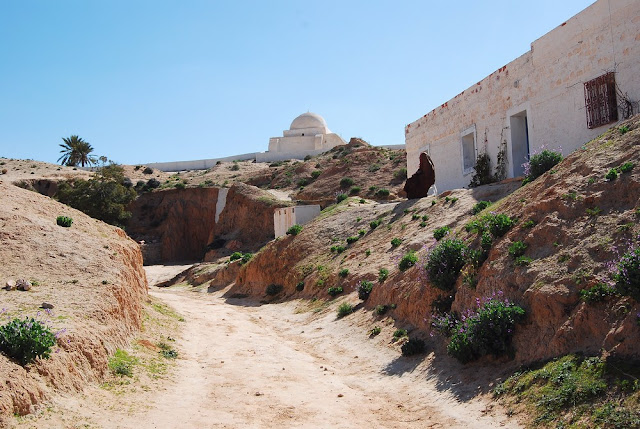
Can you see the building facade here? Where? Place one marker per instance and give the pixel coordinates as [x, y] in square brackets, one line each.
[307, 135]
[574, 83]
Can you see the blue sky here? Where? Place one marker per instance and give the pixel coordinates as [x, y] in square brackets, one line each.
[151, 81]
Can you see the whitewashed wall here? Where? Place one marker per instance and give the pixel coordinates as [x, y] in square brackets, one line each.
[285, 218]
[546, 83]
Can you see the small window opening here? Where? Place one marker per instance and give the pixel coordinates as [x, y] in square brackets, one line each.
[468, 152]
[600, 100]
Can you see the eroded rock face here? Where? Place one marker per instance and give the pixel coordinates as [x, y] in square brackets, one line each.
[417, 186]
[174, 224]
[180, 224]
[246, 223]
[92, 272]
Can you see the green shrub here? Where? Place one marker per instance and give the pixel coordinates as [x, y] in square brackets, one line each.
[343, 272]
[413, 347]
[439, 233]
[529, 224]
[415, 216]
[623, 129]
[598, 293]
[274, 289]
[400, 174]
[147, 170]
[522, 261]
[354, 190]
[341, 197]
[344, 309]
[396, 242]
[294, 229]
[246, 258]
[482, 171]
[375, 331]
[25, 340]
[626, 167]
[362, 232]
[517, 248]
[627, 273]
[383, 274]
[541, 163]
[315, 174]
[479, 206]
[307, 158]
[180, 185]
[234, 167]
[300, 286]
[488, 330]
[399, 333]
[337, 249]
[303, 182]
[408, 260]
[367, 252]
[381, 309]
[64, 221]
[167, 352]
[364, 289]
[383, 192]
[122, 363]
[335, 290]
[496, 224]
[346, 182]
[102, 197]
[235, 255]
[375, 223]
[611, 174]
[445, 261]
[353, 239]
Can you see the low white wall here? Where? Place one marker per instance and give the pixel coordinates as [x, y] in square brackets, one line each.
[199, 164]
[281, 156]
[286, 217]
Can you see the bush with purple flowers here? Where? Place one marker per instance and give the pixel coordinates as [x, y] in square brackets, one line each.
[483, 331]
[627, 273]
[25, 340]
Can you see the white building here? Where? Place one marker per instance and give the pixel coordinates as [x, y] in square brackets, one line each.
[307, 135]
[286, 217]
[574, 83]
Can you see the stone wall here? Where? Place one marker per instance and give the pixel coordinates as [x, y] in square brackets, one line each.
[545, 85]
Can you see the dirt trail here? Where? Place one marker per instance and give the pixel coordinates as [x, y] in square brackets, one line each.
[267, 366]
[244, 365]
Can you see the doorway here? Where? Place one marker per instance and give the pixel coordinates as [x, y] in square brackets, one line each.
[519, 141]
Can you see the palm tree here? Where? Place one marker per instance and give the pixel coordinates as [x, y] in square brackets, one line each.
[76, 151]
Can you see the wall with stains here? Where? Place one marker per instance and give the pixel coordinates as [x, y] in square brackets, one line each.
[546, 84]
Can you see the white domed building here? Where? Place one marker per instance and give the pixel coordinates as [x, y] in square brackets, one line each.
[307, 135]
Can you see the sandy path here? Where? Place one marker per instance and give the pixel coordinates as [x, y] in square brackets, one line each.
[245, 366]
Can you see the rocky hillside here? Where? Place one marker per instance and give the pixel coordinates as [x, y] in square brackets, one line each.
[572, 225]
[90, 273]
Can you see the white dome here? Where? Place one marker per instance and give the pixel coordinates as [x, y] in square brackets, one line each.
[309, 120]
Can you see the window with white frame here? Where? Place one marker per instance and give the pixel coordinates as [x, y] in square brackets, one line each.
[468, 150]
